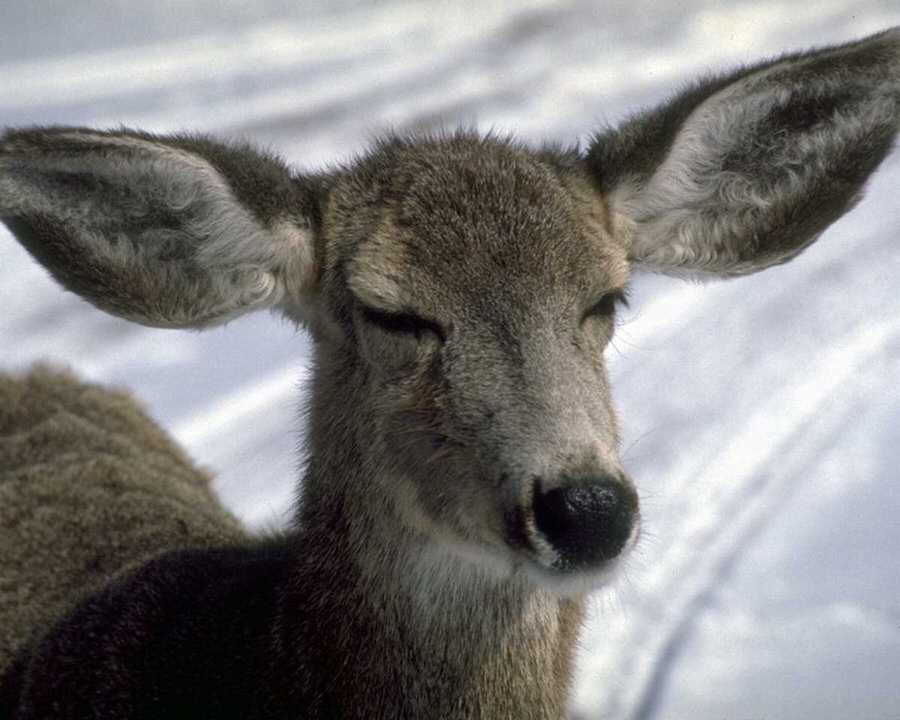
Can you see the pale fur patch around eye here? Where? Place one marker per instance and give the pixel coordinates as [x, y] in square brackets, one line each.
[376, 272]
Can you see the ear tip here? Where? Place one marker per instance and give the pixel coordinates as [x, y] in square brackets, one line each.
[890, 39]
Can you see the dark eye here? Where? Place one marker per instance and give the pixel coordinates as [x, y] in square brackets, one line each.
[606, 305]
[403, 323]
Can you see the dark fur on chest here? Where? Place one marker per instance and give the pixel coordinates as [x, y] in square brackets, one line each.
[228, 633]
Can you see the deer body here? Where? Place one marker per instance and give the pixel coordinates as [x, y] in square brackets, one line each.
[274, 622]
[261, 644]
[463, 490]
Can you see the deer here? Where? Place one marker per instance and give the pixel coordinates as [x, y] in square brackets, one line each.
[463, 492]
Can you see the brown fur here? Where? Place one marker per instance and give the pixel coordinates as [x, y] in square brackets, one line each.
[89, 486]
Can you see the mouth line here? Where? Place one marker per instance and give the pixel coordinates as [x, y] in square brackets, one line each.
[514, 556]
[522, 535]
[569, 583]
[574, 581]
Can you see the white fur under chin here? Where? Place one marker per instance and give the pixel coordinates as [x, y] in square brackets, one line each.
[572, 584]
[463, 565]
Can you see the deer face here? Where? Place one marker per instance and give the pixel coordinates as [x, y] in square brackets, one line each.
[478, 300]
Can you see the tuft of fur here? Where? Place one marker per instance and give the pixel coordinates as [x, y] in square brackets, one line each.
[89, 487]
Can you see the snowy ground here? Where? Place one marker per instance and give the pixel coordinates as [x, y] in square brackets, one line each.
[761, 416]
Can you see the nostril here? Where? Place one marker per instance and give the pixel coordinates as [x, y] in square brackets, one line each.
[587, 524]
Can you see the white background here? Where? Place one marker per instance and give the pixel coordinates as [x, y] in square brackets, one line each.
[761, 416]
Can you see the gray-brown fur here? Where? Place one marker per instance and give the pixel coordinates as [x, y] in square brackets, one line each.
[823, 121]
[463, 488]
[88, 486]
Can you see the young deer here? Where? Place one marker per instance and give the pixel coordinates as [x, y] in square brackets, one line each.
[463, 489]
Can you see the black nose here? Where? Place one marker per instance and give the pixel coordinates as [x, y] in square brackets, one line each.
[589, 522]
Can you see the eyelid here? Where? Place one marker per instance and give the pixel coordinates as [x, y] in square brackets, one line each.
[405, 323]
[606, 305]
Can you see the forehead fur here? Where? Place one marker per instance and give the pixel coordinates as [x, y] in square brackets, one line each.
[462, 217]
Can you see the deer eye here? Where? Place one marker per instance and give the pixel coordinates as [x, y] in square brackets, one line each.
[606, 306]
[403, 324]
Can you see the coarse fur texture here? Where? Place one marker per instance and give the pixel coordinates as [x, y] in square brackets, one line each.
[463, 489]
[762, 159]
[88, 486]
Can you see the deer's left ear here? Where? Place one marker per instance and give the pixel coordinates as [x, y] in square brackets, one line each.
[741, 172]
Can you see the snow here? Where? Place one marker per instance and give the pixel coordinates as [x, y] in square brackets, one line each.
[760, 415]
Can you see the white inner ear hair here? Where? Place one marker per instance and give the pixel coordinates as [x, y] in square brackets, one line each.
[249, 265]
[692, 218]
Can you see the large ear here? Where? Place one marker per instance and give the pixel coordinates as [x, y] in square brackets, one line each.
[744, 171]
[177, 231]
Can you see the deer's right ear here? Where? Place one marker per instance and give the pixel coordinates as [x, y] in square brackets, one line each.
[178, 231]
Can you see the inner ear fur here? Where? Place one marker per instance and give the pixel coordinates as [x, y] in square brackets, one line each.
[173, 231]
[743, 171]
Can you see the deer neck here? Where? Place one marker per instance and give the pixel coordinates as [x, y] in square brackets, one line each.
[387, 623]
[382, 618]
